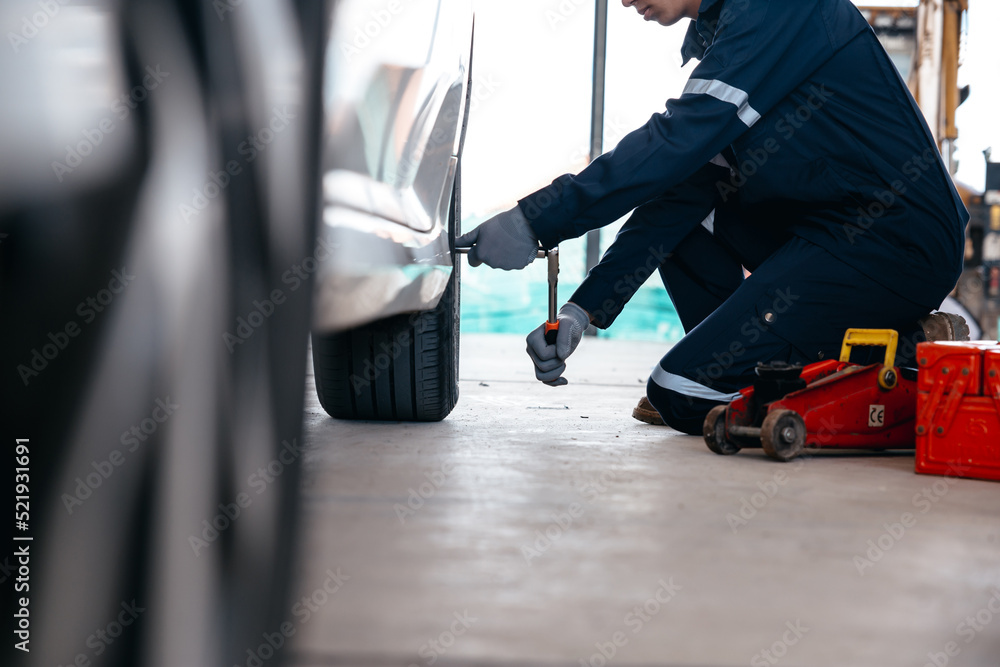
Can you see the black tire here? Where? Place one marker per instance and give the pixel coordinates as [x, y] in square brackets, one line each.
[404, 368]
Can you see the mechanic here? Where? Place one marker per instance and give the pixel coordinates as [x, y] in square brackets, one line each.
[796, 151]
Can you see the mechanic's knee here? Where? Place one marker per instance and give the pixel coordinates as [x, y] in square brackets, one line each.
[681, 413]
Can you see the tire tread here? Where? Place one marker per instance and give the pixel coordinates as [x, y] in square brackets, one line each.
[420, 381]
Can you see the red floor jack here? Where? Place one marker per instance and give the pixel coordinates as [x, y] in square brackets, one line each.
[827, 404]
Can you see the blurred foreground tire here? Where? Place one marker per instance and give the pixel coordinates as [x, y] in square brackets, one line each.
[160, 169]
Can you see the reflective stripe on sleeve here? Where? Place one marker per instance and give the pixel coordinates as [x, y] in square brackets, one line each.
[726, 93]
[686, 387]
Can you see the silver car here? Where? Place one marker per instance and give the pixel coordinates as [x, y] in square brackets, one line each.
[386, 326]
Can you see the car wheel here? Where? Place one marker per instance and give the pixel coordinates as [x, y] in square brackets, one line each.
[402, 368]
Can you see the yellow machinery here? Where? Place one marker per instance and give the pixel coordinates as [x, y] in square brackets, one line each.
[925, 43]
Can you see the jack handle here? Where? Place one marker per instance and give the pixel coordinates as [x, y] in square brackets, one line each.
[887, 338]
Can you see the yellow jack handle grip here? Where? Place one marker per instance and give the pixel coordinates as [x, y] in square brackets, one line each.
[886, 338]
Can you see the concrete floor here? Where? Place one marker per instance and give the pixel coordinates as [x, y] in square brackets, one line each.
[544, 526]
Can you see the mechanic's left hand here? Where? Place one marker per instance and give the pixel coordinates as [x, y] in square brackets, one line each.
[550, 360]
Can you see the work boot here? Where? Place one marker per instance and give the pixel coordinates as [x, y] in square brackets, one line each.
[645, 412]
[944, 326]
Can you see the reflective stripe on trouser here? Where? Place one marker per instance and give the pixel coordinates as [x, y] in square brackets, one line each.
[795, 308]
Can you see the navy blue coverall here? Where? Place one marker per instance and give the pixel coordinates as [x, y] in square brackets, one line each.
[796, 151]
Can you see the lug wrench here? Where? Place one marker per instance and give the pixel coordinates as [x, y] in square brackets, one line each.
[552, 324]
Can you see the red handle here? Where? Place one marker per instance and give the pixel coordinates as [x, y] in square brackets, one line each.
[551, 331]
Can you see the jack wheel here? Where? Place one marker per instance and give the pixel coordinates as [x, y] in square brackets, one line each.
[715, 432]
[783, 435]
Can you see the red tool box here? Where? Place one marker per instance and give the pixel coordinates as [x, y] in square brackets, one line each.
[958, 409]
[826, 404]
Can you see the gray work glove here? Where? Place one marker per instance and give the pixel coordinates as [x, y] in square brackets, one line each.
[505, 241]
[550, 360]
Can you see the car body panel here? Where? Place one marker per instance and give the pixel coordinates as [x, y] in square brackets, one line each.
[395, 102]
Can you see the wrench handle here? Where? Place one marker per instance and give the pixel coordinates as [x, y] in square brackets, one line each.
[551, 332]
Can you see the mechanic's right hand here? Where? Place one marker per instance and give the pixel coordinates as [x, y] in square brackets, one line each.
[505, 241]
[550, 360]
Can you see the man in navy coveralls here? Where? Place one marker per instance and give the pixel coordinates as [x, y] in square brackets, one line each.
[795, 151]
